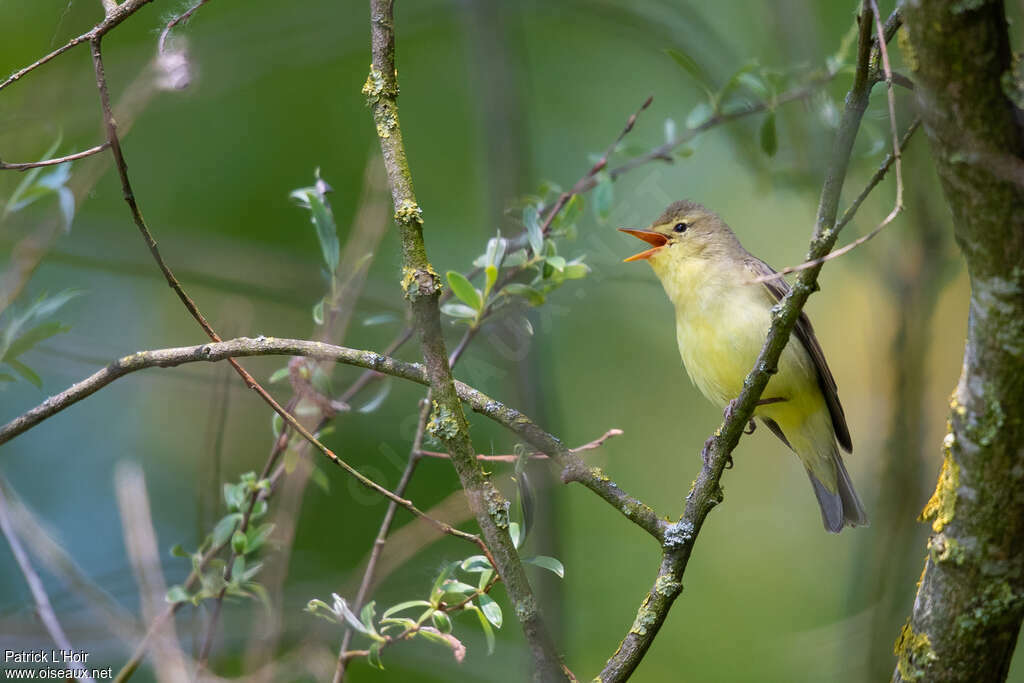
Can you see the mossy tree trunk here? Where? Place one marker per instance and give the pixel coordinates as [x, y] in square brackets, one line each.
[970, 600]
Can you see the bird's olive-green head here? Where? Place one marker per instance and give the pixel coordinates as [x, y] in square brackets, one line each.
[686, 230]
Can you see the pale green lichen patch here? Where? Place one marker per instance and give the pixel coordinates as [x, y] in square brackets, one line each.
[997, 600]
[497, 506]
[667, 587]
[409, 213]
[915, 652]
[376, 86]
[942, 505]
[646, 618]
[442, 424]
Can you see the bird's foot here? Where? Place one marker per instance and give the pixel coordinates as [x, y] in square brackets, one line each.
[728, 462]
[750, 428]
[729, 409]
[705, 452]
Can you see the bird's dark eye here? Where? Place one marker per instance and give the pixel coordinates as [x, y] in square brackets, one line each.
[680, 227]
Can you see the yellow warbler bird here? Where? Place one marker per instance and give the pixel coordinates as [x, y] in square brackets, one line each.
[721, 323]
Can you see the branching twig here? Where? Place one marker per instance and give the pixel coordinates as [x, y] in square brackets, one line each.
[35, 585]
[536, 455]
[5, 166]
[118, 14]
[851, 211]
[680, 538]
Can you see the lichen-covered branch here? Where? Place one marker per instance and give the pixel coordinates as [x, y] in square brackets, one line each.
[970, 602]
[422, 287]
[679, 538]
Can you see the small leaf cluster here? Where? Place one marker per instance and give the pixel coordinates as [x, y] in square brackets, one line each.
[750, 85]
[314, 200]
[22, 330]
[42, 182]
[215, 576]
[526, 270]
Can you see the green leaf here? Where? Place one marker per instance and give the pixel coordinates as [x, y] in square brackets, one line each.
[178, 551]
[436, 590]
[373, 656]
[458, 310]
[454, 587]
[516, 258]
[367, 615]
[239, 542]
[176, 594]
[476, 563]
[557, 262]
[258, 536]
[769, 140]
[604, 196]
[699, 115]
[549, 563]
[313, 199]
[491, 274]
[237, 569]
[234, 495]
[531, 219]
[486, 626]
[513, 531]
[495, 251]
[278, 375]
[527, 292]
[225, 527]
[26, 372]
[402, 606]
[464, 290]
[491, 609]
[576, 271]
[32, 337]
[570, 213]
[485, 578]
[690, 66]
[754, 84]
[318, 312]
[441, 621]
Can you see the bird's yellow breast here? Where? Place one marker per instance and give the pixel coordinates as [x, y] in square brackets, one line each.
[721, 323]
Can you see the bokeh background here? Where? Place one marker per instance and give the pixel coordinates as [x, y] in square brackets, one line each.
[496, 99]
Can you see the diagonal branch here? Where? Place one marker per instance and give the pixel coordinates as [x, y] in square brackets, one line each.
[5, 166]
[679, 538]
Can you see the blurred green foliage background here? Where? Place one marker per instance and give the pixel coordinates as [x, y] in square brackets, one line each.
[496, 98]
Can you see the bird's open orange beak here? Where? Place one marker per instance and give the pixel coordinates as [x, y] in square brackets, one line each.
[655, 239]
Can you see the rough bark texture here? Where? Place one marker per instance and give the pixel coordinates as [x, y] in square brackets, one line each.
[422, 287]
[970, 602]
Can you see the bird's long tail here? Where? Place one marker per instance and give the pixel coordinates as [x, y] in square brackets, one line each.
[842, 508]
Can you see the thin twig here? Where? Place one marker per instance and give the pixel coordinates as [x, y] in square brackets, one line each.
[35, 585]
[706, 492]
[536, 455]
[5, 166]
[112, 19]
[850, 212]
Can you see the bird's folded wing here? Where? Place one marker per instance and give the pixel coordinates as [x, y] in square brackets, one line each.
[805, 333]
